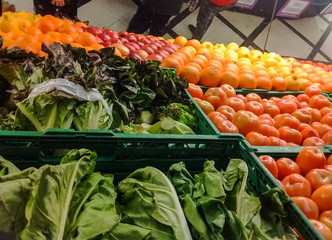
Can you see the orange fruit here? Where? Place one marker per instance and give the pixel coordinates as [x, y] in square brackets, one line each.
[86, 39]
[188, 53]
[292, 83]
[171, 40]
[66, 28]
[304, 83]
[32, 30]
[180, 40]
[232, 67]
[279, 84]
[65, 38]
[81, 24]
[191, 73]
[201, 60]
[88, 49]
[196, 65]
[182, 55]
[261, 73]
[264, 82]
[210, 76]
[191, 49]
[234, 46]
[229, 77]
[117, 52]
[215, 63]
[207, 45]
[247, 80]
[45, 25]
[77, 45]
[97, 46]
[328, 87]
[172, 62]
[205, 52]
[34, 47]
[219, 57]
[13, 35]
[67, 21]
[193, 43]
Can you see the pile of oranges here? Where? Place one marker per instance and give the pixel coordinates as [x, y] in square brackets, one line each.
[47, 29]
[213, 65]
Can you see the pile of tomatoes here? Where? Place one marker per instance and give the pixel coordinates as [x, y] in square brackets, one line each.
[291, 120]
[308, 181]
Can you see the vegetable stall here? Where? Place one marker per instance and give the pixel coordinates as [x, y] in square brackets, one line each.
[178, 127]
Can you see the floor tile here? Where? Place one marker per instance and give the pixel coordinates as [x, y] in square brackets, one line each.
[182, 27]
[283, 41]
[222, 34]
[320, 58]
[326, 48]
[244, 22]
[328, 17]
[312, 28]
[118, 26]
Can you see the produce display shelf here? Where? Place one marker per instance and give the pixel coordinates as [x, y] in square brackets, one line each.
[122, 155]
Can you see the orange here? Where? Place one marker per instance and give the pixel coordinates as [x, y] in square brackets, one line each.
[247, 80]
[65, 38]
[13, 35]
[180, 40]
[34, 47]
[210, 76]
[86, 39]
[181, 55]
[191, 73]
[32, 30]
[66, 28]
[264, 82]
[205, 52]
[261, 73]
[77, 45]
[186, 52]
[229, 77]
[279, 84]
[292, 83]
[117, 52]
[172, 62]
[88, 49]
[201, 60]
[67, 21]
[196, 65]
[171, 40]
[97, 46]
[207, 45]
[193, 43]
[81, 24]
[304, 83]
[234, 46]
[191, 49]
[215, 63]
[219, 57]
[328, 87]
[45, 25]
[233, 67]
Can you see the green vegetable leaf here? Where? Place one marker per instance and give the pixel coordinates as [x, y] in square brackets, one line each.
[168, 125]
[7, 167]
[127, 231]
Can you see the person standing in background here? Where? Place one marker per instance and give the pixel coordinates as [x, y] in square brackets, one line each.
[207, 11]
[67, 8]
[154, 15]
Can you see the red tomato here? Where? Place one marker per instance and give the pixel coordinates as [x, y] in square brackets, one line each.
[303, 105]
[236, 103]
[321, 128]
[319, 101]
[265, 116]
[287, 120]
[322, 229]
[270, 164]
[287, 106]
[310, 158]
[205, 106]
[271, 108]
[303, 98]
[255, 107]
[318, 177]
[325, 110]
[288, 96]
[327, 138]
[327, 119]
[329, 160]
[303, 115]
[223, 125]
[296, 185]
[323, 197]
[257, 139]
[287, 166]
[246, 122]
[275, 99]
[282, 185]
[309, 132]
[242, 97]
[300, 236]
[290, 135]
[312, 91]
[313, 141]
[229, 90]
[216, 96]
[290, 144]
[253, 97]
[268, 131]
[227, 111]
[303, 126]
[307, 206]
[316, 115]
[195, 91]
[214, 115]
[277, 141]
[326, 218]
[328, 167]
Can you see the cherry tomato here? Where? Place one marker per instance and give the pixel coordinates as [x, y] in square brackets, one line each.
[229, 90]
[321, 128]
[268, 131]
[277, 141]
[312, 91]
[236, 103]
[327, 138]
[287, 120]
[270, 164]
[227, 111]
[242, 97]
[287, 166]
[327, 119]
[313, 141]
[216, 96]
[296, 185]
[319, 101]
[303, 115]
[255, 107]
[287, 106]
[326, 218]
[257, 139]
[307, 206]
[303, 98]
[271, 108]
[253, 97]
[322, 196]
[195, 91]
[310, 158]
[290, 135]
[318, 177]
[246, 122]
[205, 106]
[322, 229]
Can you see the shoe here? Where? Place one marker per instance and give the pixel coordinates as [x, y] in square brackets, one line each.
[192, 28]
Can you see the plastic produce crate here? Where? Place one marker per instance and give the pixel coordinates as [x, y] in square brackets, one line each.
[122, 155]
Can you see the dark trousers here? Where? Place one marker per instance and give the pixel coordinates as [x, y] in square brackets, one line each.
[145, 19]
[43, 8]
[206, 13]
